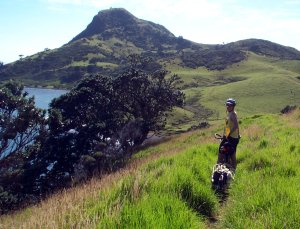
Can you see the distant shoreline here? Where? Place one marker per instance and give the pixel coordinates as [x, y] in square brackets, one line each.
[47, 87]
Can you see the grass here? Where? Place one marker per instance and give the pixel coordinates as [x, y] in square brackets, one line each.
[266, 194]
[261, 85]
[168, 185]
[165, 193]
[106, 65]
[178, 118]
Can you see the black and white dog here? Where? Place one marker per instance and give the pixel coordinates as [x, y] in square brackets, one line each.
[221, 177]
[222, 172]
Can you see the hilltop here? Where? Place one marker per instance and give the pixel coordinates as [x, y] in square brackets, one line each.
[114, 34]
[121, 24]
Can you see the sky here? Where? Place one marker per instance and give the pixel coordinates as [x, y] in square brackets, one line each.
[29, 26]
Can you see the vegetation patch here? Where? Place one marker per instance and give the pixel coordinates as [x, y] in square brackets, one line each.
[259, 162]
[265, 194]
[164, 192]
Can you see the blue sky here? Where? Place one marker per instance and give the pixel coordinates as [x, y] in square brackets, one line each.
[30, 26]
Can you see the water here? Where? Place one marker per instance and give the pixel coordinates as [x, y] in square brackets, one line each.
[43, 97]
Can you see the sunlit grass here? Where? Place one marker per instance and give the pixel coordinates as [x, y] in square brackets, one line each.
[266, 192]
[267, 86]
[170, 192]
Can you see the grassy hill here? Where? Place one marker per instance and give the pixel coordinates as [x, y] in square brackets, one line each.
[260, 84]
[168, 185]
[261, 75]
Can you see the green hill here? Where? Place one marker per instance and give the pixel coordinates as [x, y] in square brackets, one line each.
[168, 185]
[260, 84]
[261, 75]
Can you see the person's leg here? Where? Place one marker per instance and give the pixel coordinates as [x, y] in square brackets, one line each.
[233, 160]
[234, 142]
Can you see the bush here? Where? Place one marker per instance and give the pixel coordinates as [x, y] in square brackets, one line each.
[7, 200]
[287, 109]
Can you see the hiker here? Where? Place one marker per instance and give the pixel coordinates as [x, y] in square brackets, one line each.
[231, 133]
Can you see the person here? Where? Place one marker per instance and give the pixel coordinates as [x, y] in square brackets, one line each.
[231, 133]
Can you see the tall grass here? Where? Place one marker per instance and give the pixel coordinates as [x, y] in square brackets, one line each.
[168, 185]
[266, 191]
[172, 192]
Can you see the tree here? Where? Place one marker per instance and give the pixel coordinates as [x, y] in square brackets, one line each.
[148, 96]
[20, 120]
[1, 66]
[21, 125]
[95, 125]
[107, 114]
[100, 106]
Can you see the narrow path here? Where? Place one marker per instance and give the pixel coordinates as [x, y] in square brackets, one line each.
[213, 222]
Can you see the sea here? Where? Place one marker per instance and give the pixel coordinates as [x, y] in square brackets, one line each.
[43, 96]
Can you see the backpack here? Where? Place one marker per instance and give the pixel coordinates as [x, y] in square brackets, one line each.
[226, 148]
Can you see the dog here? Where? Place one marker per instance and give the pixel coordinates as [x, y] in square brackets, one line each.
[221, 177]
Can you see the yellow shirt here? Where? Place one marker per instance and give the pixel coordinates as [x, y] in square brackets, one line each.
[231, 125]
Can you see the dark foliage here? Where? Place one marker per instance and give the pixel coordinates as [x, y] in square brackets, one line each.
[217, 58]
[98, 125]
[288, 108]
[267, 48]
[21, 126]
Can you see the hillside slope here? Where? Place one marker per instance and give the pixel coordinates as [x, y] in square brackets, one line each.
[114, 34]
[168, 185]
[261, 75]
[267, 48]
[260, 84]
